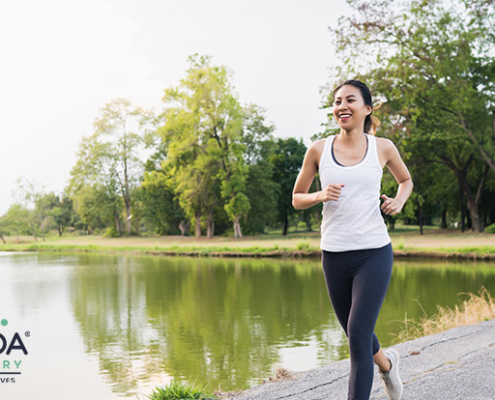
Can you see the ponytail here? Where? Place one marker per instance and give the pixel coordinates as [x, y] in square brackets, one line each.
[375, 124]
[373, 121]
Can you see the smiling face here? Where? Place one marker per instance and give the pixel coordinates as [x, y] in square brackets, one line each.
[349, 108]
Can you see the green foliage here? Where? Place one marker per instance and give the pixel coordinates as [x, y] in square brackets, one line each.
[204, 133]
[97, 206]
[179, 391]
[287, 161]
[15, 221]
[303, 246]
[160, 208]
[109, 162]
[490, 228]
[432, 63]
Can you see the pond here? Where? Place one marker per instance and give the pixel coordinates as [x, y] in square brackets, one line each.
[109, 326]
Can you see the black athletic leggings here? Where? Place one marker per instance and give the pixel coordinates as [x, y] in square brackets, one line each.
[357, 282]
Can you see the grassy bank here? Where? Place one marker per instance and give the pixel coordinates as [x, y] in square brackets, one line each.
[406, 242]
[474, 309]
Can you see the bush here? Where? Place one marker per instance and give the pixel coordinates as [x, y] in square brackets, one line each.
[490, 228]
[111, 232]
[179, 391]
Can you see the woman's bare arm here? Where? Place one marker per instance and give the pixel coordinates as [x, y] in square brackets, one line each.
[402, 176]
[301, 199]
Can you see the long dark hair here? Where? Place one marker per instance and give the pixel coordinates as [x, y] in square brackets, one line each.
[370, 122]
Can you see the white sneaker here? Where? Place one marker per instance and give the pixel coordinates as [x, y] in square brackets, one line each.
[391, 379]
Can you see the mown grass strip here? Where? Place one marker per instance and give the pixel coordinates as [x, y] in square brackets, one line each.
[302, 249]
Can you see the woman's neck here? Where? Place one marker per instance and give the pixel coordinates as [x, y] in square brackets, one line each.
[352, 136]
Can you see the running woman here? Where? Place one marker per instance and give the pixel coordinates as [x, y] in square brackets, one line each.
[356, 248]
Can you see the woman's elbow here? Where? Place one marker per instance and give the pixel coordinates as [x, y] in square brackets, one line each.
[294, 201]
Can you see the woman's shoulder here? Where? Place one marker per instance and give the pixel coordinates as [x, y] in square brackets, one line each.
[386, 149]
[384, 143]
[317, 146]
[315, 150]
[318, 143]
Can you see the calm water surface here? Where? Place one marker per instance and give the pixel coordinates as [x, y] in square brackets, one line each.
[106, 327]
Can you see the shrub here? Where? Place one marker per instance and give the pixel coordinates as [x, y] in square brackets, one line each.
[490, 228]
[178, 391]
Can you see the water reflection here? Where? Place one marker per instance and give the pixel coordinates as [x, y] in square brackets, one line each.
[218, 321]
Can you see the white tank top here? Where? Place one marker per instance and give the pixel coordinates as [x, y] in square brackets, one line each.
[354, 221]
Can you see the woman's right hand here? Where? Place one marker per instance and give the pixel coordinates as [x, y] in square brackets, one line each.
[331, 192]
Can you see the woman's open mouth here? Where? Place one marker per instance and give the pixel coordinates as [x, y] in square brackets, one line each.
[344, 117]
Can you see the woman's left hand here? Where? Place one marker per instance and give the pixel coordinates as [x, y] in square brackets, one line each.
[391, 206]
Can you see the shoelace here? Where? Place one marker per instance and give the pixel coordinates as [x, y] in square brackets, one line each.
[387, 380]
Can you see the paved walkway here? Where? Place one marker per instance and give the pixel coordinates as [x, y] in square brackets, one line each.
[458, 364]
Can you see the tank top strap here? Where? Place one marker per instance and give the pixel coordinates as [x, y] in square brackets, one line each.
[373, 148]
[324, 159]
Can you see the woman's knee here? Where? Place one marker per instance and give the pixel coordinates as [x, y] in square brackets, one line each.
[360, 341]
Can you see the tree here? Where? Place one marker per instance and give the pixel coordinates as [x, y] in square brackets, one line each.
[27, 194]
[65, 214]
[111, 159]
[160, 206]
[432, 62]
[286, 165]
[15, 221]
[45, 209]
[202, 131]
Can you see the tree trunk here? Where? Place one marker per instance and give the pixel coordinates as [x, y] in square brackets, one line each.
[469, 224]
[210, 225]
[237, 228]
[117, 222]
[473, 201]
[1, 237]
[286, 224]
[490, 162]
[420, 218]
[473, 208]
[129, 216]
[444, 218]
[198, 223]
[184, 228]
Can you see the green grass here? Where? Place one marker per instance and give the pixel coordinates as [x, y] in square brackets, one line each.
[404, 238]
[179, 391]
[305, 246]
[478, 250]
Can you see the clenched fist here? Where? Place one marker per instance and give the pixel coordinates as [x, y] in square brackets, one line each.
[331, 192]
[391, 206]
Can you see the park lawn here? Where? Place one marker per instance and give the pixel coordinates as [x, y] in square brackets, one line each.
[406, 239]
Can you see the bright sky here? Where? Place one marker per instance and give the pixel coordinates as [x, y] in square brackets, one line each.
[62, 60]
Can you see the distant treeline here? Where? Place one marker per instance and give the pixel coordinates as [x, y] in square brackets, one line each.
[208, 165]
